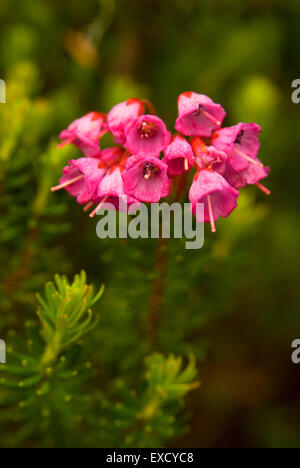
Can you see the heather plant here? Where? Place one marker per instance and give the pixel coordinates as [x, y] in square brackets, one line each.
[46, 377]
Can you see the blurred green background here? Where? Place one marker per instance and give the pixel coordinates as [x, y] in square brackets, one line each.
[235, 303]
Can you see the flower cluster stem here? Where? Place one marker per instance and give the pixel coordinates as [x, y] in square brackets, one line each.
[158, 287]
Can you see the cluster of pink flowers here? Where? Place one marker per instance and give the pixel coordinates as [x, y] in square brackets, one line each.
[146, 158]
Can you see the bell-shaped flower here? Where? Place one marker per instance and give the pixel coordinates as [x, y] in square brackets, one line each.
[85, 133]
[111, 190]
[93, 170]
[121, 115]
[218, 197]
[146, 179]
[147, 136]
[240, 143]
[198, 115]
[79, 177]
[208, 157]
[250, 176]
[179, 156]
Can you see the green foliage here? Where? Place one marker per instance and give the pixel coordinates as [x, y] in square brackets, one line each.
[149, 417]
[46, 387]
[166, 379]
[66, 316]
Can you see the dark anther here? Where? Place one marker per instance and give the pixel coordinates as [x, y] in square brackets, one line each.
[199, 110]
[150, 169]
[238, 139]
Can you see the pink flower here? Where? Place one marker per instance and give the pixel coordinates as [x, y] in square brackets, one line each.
[85, 133]
[208, 157]
[73, 182]
[133, 171]
[240, 143]
[198, 115]
[81, 178]
[111, 190]
[93, 170]
[179, 156]
[147, 136]
[219, 198]
[250, 176]
[146, 179]
[121, 115]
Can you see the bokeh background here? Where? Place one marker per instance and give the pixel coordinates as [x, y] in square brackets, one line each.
[235, 303]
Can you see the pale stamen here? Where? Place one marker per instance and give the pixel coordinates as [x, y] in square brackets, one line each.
[264, 189]
[147, 176]
[93, 214]
[211, 214]
[147, 130]
[212, 118]
[251, 160]
[88, 206]
[186, 164]
[68, 183]
[66, 142]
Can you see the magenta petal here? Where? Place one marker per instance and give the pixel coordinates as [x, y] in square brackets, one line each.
[147, 136]
[223, 196]
[78, 189]
[208, 156]
[93, 170]
[112, 184]
[88, 151]
[178, 154]
[250, 176]
[146, 179]
[254, 174]
[112, 155]
[111, 189]
[238, 162]
[242, 139]
[85, 133]
[121, 115]
[198, 115]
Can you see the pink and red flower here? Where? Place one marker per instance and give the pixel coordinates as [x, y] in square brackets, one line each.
[219, 198]
[121, 115]
[240, 143]
[85, 133]
[79, 177]
[208, 157]
[146, 179]
[134, 170]
[179, 156]
[198, 115]
[111, 190]
[147, 136]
